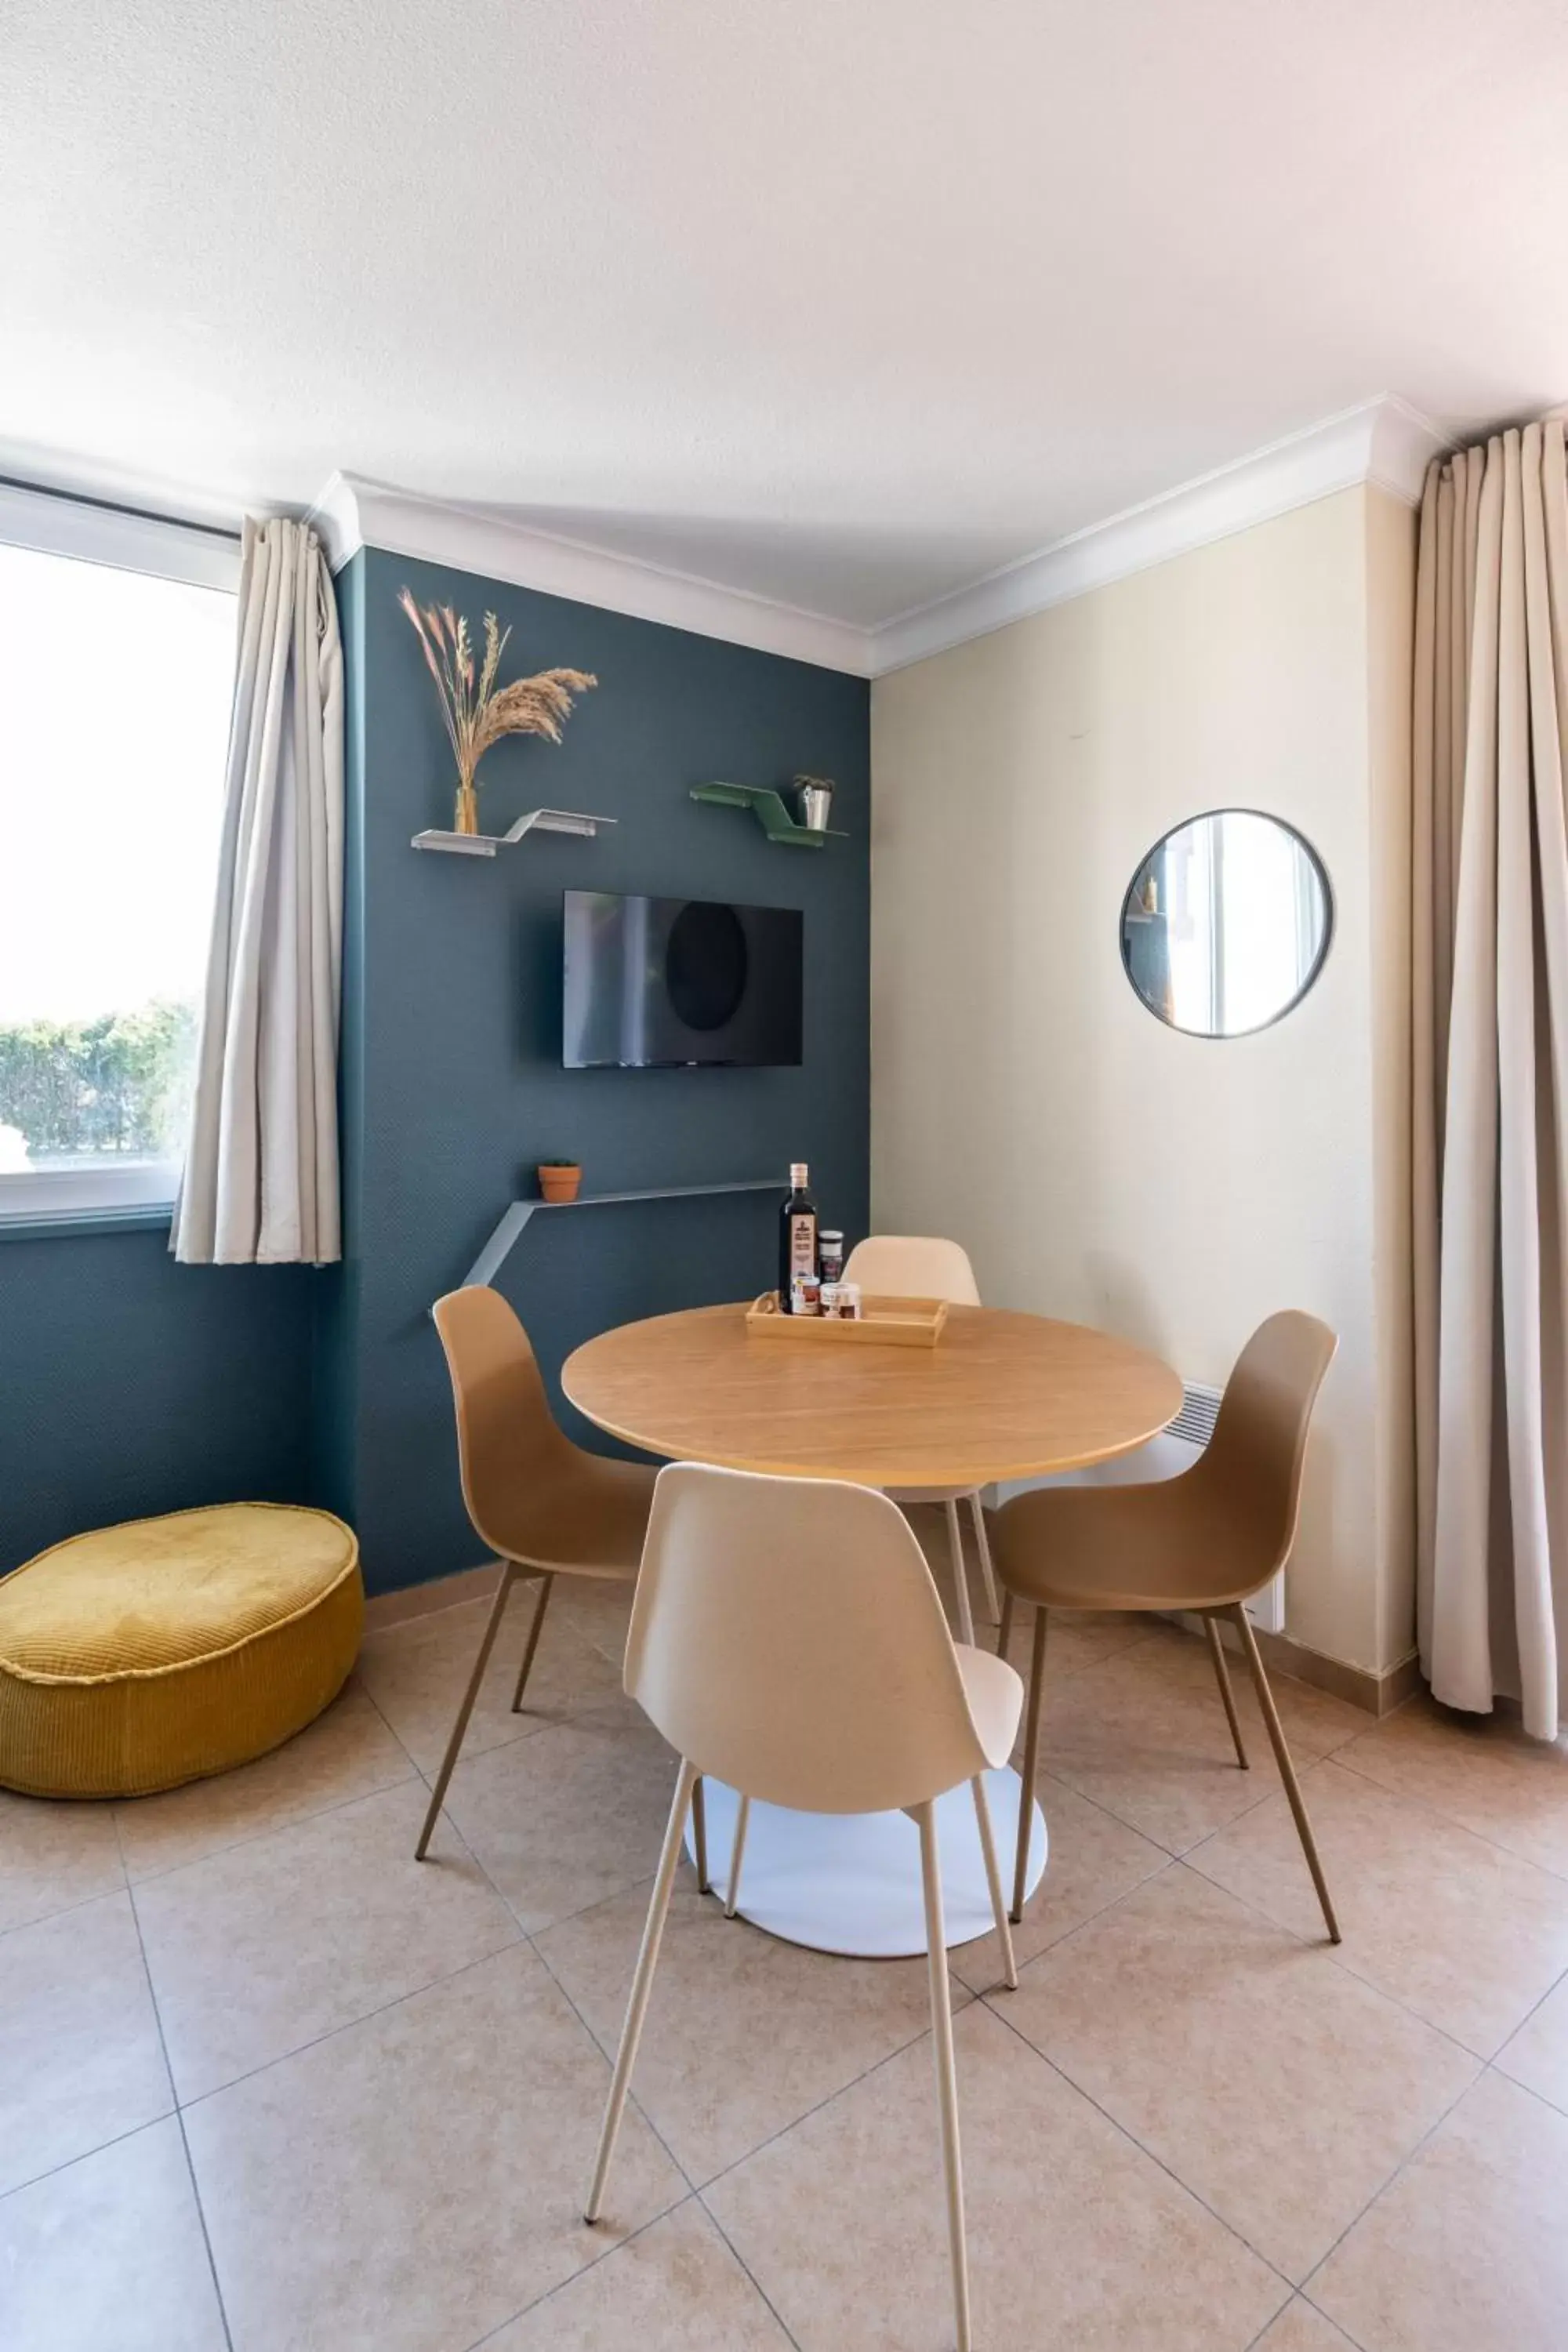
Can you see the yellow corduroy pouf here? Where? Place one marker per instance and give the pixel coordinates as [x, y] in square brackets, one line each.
[140, 1657]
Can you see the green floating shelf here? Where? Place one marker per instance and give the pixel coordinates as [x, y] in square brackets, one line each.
[767, 806]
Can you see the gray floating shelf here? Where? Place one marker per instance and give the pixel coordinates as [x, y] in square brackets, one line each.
[485, 845]
[494, 1255]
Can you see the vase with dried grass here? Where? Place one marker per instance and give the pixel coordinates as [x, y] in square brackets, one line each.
[476, 711]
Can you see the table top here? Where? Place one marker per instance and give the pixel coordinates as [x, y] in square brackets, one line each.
[1001, 1395]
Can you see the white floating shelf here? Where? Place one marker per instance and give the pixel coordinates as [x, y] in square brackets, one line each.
[485, 845]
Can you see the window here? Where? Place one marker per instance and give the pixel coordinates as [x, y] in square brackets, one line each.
[116, 672]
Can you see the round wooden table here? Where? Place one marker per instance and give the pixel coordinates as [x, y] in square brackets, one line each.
[1001, 1396]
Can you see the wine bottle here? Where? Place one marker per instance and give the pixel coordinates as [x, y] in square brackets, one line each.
[797, 1235]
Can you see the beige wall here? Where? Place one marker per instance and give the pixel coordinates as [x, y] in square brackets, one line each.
[1096, 1164]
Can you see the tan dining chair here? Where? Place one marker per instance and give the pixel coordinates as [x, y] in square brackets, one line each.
[787, 1639]
[544, 1506]
[924, 1265]
[1205, 1541]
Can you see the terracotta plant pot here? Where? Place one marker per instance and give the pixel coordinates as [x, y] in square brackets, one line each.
[559, 1182]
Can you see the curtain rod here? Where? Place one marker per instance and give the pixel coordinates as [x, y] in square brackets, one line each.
[115, 506]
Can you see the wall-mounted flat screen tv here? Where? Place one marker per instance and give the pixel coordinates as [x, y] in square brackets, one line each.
[669, 984]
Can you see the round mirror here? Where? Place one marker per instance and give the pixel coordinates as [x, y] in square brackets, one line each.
[1227, 922]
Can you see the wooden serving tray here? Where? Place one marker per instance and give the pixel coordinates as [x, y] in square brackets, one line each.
[882, 1323]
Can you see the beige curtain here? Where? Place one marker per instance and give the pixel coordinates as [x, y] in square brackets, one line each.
[1490, 945]
[261, 1171]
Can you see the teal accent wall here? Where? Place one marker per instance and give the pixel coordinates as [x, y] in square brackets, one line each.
[452, 1080]
[130, 1385]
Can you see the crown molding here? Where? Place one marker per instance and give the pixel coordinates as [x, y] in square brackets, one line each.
[1383, 442]
[352, 513]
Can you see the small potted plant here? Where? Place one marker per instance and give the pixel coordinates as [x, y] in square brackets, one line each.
[559, 1179]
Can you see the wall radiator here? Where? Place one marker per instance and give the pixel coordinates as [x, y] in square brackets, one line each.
[1175, 1449]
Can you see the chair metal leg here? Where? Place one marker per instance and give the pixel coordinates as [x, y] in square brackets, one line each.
[994, 1881]
[960, 1573]
[983, 1546]
[508, 1571]
[1287, 1769]
[1005, 1633]
[546, 1584]
[700, 1834]
[1222, 1676]
[1031, 1762]
[732, 1893]
[946, 2075]
[642, 1985]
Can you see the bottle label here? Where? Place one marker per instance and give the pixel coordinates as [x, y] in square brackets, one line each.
[801, 1246]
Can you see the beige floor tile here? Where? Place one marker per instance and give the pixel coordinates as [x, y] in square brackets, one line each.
[345, 1753]
[744, 2032]
[676, 2287]
[1079, 1639]
[597, 1609]
[1538, 2055]
[1278, 2086]
[417, 1673]
[80, 2060]
[257, 1950]
[568, 1818]
[1145, 1737]
[1094, 1859]
[53, 1855]
[1463, 1934]
[416, 2181]
[1467, 2250]
[1481, 1770]
[1075, 2237]
[1318, 1723]
[1301, 2327]
[108, 2252]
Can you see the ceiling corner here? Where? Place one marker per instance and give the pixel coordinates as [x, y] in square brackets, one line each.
[334, 516]
[1404, 444]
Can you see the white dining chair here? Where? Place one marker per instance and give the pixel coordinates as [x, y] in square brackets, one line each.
[787, 1639]
[924, 1265]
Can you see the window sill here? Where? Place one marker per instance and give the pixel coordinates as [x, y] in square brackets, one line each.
[87, 1199]
[64, 1225]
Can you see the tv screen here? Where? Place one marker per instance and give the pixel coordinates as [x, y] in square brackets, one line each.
[668, 984]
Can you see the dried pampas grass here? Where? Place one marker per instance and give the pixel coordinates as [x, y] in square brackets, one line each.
[475, 712]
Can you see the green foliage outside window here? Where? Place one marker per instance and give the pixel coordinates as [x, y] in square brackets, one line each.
[120, 1083]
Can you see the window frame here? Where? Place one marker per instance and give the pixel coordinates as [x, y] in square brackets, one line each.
[198, 555]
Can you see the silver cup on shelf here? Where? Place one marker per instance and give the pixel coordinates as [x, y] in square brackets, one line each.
[813, 801]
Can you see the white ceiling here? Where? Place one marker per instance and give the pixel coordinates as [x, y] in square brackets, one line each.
[847, 303]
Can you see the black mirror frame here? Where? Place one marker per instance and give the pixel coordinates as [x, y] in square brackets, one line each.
[1226, 1036]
